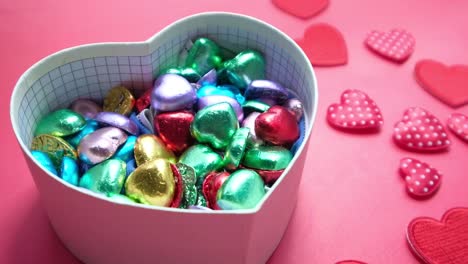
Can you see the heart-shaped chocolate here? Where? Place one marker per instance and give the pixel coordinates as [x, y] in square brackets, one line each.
[188, 73]
[242, 190]
[215, 124]
[150, 147]
[172, 92]
[107, 177]
[277, 125]
[101, 144]
[174, 129]
[152, 183]
[211, 185]
[60, 123]
[203, 56]
[202, 159]
[444, 241]
[247, 66]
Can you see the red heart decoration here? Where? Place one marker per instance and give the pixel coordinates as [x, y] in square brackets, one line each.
[458, 124]
[301, 8]
[356, 111]
[448, 84]
[277, 125]
[396, 45]
[174, 129]
[422, 180]
[420, 131]
[324, 45]
[444, 242]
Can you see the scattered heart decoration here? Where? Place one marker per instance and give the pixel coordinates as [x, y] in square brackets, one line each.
[396, 45]
[419, 130]
[324, 45]
[446, 83]
[458, 124]
[440, 242]
[355, 112]
[301, 8]
[422, 180]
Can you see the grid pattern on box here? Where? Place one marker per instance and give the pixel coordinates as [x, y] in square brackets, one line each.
[93, 77]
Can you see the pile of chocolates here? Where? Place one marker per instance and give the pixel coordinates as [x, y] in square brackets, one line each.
[212, 133]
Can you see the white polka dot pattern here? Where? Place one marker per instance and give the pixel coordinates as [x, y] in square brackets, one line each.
[357, 111]
[421, 131]
[396, 45]
[458, 124]
[421, 179]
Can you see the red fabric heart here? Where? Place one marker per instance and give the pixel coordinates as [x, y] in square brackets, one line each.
[324, 45]
[422, 180]
[174, 129]
[420, 131]
[356, 112]
[277, 125]
[444, 242]
[458, 124]
[448, 84]
[396, 45]
[301, 8]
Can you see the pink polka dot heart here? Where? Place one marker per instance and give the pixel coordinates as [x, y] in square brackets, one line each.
[458, 124]
[420, 131]
[396, 45]
[356, 112]
[422, 180]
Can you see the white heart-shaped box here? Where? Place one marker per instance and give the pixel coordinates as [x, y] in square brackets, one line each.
[97, 230]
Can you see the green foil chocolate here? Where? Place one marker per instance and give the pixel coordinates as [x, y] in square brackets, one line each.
[107, 177]
[188, 73]
[267, 158]
[235, 150]
[202, 159]
[60, 123]
[254, 106]
[215, 124]
[203, 56]
[189, 179]
[247, 66]
[242, 190]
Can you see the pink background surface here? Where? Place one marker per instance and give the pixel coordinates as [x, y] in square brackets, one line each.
[352, 203]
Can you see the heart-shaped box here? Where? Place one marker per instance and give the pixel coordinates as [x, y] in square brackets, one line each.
[97, 230]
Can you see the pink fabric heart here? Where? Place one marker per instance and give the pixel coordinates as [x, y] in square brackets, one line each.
[356, 112]
[396, 45]
[419, 130]
[421, 179]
